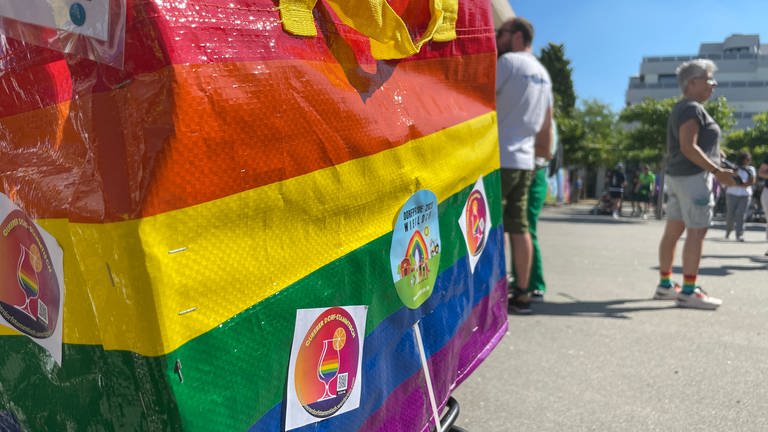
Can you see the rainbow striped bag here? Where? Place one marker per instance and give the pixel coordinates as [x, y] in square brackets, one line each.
[266, 218]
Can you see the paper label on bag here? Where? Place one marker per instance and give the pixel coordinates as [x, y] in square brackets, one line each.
[31, 279]
[324, 375]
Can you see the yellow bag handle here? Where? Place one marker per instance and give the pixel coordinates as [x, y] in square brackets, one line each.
[376, 19]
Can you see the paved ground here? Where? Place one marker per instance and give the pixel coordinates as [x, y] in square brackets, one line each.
[600, 355]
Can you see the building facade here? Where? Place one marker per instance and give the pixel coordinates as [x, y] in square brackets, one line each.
[742, 76]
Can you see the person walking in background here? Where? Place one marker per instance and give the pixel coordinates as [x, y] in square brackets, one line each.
[524, 108]
[737, 197]
[693, 158]
[578, 185]
[634, 195]
[762, 172]
[645, 187]
[616, 188]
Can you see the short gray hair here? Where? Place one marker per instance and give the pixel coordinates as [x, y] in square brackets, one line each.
[696, 68]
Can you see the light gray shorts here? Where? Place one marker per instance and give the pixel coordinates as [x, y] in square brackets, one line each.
[690, 199]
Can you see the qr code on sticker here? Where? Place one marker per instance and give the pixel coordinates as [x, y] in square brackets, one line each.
[341, 382]
[42, 312]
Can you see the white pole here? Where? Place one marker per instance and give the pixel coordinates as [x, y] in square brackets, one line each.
[430, 391]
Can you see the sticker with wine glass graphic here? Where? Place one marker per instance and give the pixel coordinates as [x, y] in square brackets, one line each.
[326, 357]
[475, 223]
[31, 284]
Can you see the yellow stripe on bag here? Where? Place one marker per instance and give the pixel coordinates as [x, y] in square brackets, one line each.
[150, 285]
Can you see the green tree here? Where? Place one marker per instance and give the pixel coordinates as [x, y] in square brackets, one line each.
[599, 138]
[753, 139]
[646, 131]
[722, 113]
[646, 127]
[569, 130]
[560, 71]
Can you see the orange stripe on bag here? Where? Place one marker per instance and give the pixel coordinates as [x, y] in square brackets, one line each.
[185, 138]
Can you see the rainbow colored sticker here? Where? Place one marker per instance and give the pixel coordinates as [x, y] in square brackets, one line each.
[415, 252]
[325, 364]
[475, 222]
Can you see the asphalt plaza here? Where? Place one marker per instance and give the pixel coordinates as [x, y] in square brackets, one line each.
[600, 354]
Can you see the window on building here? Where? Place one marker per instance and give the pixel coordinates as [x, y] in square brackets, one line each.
[667, 79]
[737, 50]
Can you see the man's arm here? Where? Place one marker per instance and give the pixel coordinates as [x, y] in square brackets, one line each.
[543, 145]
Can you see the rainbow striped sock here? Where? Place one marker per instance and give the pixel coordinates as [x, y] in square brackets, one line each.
[666, 279]
[689, 284]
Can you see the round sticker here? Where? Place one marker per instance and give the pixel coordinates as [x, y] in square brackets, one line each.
[475, 224]
[77, 14]
[29, 289]
[326, 364]
[415, 252]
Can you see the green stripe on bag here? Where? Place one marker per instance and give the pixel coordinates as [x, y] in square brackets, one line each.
[232, 375]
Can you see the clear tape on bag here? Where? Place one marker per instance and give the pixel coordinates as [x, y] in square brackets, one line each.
[93, 29]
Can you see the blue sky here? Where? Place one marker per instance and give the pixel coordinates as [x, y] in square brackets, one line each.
[607, 39]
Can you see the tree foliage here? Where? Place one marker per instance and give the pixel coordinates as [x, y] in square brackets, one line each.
[753, 139]
[570, 131]
[560, 71]
[645, 140]
[646, 135]
[600, 136]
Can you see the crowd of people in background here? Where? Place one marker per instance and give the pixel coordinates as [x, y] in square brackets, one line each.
[742, 203]
[696, 173]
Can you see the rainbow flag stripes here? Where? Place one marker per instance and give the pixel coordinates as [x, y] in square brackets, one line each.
[28, 278]
[329, 367]
[229, 175]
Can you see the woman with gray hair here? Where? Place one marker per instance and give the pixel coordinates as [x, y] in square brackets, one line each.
[693, 160]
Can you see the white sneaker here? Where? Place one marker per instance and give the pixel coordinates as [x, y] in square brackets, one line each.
[664, 293]
[615, 215]
[698, 300]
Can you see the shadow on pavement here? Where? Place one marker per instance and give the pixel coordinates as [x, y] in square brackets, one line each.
[619, 308]
[753, 258]
[589, 219]
[725, 270]
[722, 270]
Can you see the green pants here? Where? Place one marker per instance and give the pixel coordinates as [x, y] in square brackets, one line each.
[536, 196]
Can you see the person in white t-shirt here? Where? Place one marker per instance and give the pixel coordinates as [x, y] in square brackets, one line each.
[524, 108]
[737, 197]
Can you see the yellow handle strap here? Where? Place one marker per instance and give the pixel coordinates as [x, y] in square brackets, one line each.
[376, 19]
[446, 31]
[297, 18]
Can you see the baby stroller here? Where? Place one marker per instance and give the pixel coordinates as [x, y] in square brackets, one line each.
[755, 211]
[603, 206]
